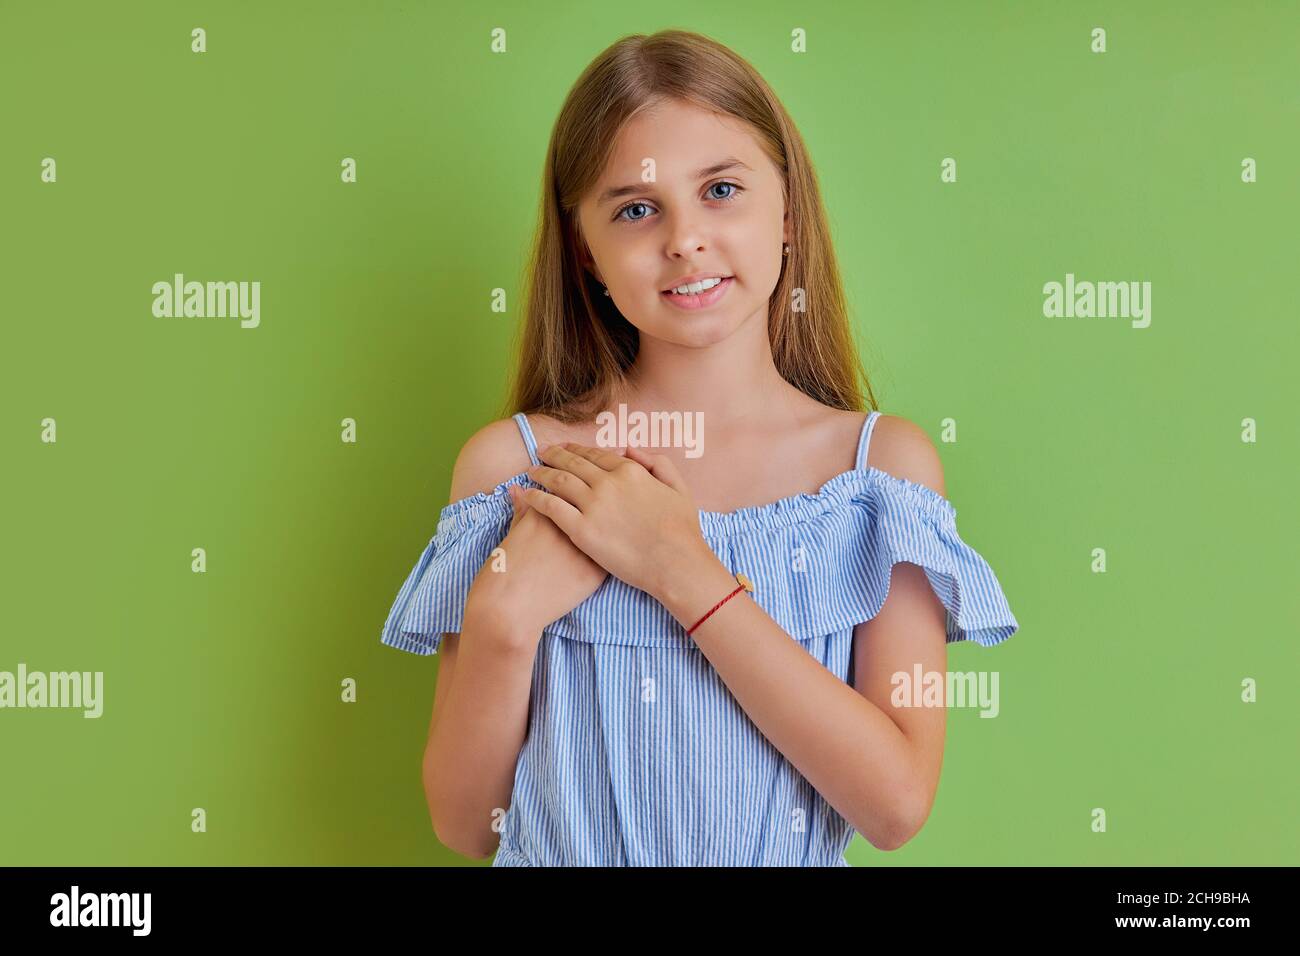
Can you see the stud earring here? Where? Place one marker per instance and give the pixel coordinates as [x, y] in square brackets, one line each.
[607, 290]
[785, 250]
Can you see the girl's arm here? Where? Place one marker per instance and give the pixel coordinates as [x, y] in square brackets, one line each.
[479, 722]
[480, 702]
[876, 764]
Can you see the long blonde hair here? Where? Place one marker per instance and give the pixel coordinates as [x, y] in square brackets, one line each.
[574, 344]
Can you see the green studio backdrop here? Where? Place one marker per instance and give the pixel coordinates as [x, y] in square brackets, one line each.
[1171, 446]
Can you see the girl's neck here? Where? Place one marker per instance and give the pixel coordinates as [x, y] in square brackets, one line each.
[728, 389]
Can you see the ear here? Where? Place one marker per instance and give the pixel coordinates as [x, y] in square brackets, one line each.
[589, 264]
[584, 251]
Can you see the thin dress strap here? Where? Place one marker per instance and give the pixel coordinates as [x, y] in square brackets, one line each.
[526, 430]
[864, 440]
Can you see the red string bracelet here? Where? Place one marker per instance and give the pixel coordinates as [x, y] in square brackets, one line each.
[745, 585]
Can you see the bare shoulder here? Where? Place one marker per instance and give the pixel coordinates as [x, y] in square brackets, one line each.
[551, 431]
[491, 455]
[902, 448]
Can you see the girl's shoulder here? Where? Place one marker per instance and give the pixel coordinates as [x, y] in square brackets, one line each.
[496, 452]
[492, 455]
[552, 431]
[903, 449]
[895, 445]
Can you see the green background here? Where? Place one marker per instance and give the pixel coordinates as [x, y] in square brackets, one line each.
[1121, 690]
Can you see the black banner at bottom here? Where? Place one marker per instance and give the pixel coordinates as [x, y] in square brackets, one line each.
[236, 904]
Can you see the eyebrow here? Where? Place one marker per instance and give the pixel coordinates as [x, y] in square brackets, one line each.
[721, 165]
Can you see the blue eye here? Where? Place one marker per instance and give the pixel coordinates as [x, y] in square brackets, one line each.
[631, 206]
[736, 190]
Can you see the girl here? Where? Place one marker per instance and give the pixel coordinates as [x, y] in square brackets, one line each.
[663, 658]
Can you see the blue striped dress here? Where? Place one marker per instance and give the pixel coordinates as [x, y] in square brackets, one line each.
[637, 753]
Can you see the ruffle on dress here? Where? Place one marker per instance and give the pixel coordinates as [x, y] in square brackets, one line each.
[820, 562]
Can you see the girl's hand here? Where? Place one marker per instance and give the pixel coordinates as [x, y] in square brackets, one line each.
[633, 515]
[544, 576]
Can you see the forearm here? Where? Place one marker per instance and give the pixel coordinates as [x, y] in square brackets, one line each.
[844, 745]
[473, 748]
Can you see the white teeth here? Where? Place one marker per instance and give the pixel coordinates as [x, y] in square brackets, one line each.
[695, 288]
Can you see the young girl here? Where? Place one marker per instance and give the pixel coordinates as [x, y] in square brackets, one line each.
[611, 690]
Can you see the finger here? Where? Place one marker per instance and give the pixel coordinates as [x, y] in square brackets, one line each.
[566, 517]
[661, 466]
[564, 484]
[605, 459]
[561, 457]
[518, 504]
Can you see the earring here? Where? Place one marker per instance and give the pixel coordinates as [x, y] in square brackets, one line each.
[785, 250]
[606, 290]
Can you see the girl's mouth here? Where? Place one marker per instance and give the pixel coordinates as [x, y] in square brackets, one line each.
[701, 300]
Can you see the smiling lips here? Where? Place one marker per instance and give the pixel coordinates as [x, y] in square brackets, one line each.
[701, 299]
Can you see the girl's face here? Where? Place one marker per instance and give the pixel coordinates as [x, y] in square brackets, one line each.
[714, 207]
